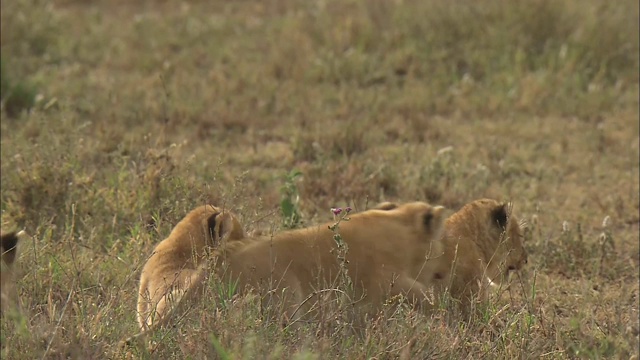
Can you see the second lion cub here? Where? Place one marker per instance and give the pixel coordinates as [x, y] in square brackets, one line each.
[483, 245]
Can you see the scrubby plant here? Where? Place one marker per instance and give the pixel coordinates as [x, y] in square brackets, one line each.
[15, 96]
[289, 200]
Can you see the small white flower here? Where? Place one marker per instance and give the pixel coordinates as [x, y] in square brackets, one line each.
[565, 226]
[534, 219]
[606, 222]
[564, 49]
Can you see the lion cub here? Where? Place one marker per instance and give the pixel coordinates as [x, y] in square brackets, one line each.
[174, 269]
[9, 248]
[387, 251]
[482, 245]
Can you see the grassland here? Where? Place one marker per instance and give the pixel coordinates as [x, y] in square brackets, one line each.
[142, 110]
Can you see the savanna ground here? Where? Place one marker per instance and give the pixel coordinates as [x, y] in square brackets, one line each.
[140, 111]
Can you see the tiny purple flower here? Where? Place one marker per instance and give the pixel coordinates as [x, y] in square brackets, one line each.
[348, 209]
[336, 211]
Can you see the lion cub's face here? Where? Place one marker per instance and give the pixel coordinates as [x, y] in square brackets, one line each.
[510, 253]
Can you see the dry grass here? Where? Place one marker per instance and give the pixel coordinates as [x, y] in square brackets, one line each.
[148, 109]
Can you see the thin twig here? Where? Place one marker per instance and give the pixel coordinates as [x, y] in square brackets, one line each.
[64, 309]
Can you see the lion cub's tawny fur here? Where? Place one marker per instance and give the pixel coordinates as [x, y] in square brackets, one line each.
[174, 269]
[483, 244]
[387, 250]
[9, 248]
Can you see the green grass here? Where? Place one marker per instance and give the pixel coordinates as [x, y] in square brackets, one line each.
[15, 97]
[151, 108]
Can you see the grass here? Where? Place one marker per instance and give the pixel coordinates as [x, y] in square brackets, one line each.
[17, 97]
[150, 108]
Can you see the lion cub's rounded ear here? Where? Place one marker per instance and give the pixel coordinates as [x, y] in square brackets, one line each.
[500, 215]
[223, 226]
[212, 225]
[386, 206]
[433, 220]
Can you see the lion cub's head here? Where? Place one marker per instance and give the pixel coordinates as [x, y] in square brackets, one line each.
[497, 232]
[9, 248]
[207, 225]
[222, 224]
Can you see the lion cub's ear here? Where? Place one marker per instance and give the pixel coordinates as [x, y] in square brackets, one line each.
[386, 206]
[500, 215]
[433, 220]
[224, 226]
[9, 244]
